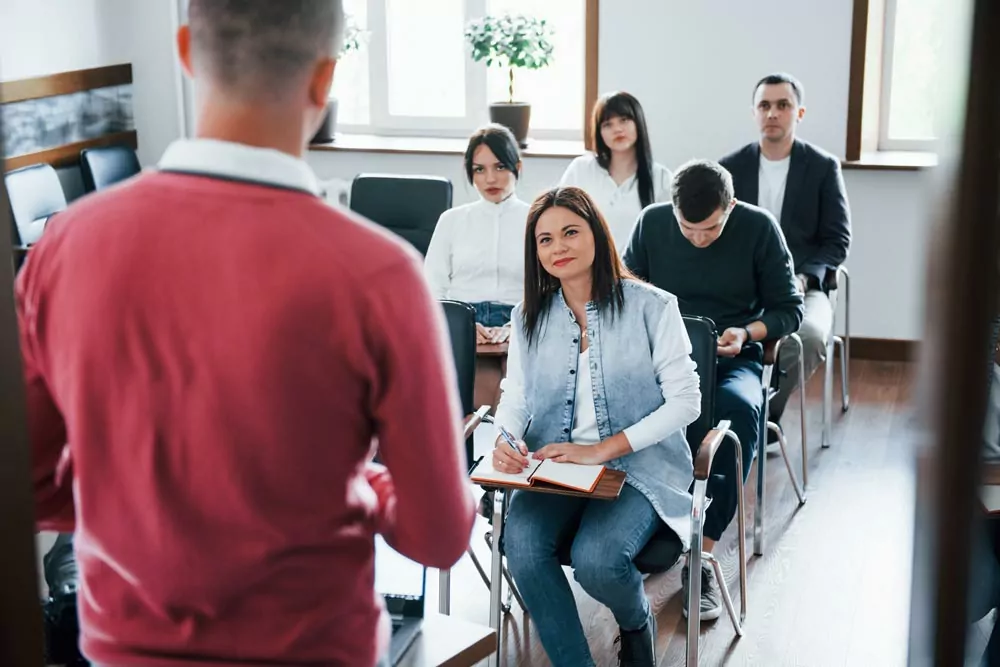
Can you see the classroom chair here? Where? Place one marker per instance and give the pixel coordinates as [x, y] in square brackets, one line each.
[107, 165]
[35, 195]
[834, 281]
[409, 206]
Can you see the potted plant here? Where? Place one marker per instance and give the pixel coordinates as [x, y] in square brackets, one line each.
[353, 39]
[511, 42]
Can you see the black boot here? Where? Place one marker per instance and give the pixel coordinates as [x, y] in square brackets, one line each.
[638, 647]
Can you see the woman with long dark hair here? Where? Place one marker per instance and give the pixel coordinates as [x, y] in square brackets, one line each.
[477, 252]
[620, 175]
[599, 372]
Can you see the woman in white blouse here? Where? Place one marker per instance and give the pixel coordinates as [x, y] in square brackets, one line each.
[477, 252]
[620, 175]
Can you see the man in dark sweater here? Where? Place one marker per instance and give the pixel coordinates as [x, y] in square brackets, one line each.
[727, 261]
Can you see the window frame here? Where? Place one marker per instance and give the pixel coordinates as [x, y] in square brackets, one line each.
[382, 123]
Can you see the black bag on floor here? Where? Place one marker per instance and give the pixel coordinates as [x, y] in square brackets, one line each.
[62, 630]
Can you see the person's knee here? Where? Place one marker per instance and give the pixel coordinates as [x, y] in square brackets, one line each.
[596, 567]
[814, 337]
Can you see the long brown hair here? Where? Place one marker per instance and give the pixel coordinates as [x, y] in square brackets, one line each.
[607, 272]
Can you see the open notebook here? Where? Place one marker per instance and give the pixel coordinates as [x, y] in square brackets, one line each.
[569, 475]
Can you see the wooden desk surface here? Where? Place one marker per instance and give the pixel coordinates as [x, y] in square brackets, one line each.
[446, 641]
[498, 350]
[609, 487]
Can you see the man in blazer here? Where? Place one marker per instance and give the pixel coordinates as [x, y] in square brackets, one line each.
[803, 187]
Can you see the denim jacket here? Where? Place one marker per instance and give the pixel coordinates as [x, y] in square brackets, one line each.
[625, 388]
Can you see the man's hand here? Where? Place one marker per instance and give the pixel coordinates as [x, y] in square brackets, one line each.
[567, 452]
[380, 480]
[731, 341]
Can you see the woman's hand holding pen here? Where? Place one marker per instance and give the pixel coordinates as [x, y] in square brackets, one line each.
[506, 459]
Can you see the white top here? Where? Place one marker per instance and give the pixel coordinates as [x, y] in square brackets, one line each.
[477, 252]
[249, 163]
[671, 362]
[585, 429]
[771, 181]
[619, 203]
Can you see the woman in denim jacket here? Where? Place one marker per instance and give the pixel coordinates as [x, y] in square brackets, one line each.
[599, 372]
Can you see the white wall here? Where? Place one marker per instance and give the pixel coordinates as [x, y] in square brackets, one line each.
[41, 38]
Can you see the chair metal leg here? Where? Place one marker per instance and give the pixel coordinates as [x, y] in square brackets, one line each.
[512, 591]
[802, 415]
[694, 572]
[845, 352]
[444, 592]
[479, 567]
[758, 528]
[782, 443]
[828, 392]
[499, 505]
[742, 525]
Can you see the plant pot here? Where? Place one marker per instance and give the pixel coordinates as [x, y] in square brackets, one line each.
[513, 115]
[327, 130]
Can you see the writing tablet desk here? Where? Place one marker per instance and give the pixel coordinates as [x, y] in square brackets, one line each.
[609, 487]
[450, 642]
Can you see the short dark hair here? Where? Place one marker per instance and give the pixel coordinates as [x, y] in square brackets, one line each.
[607, 271]
[626, 106]
[701, 187]
[778, 78]
[500, 140]
[261, 47]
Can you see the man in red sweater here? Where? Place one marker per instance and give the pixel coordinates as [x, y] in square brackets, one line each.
[211, 354]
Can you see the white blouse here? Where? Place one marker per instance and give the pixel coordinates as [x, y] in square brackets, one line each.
[672, 365]
[619, 203]
[477, 252]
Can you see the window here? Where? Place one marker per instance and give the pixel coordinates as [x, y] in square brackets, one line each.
[413, 74]
[895, 81]
[912, 53]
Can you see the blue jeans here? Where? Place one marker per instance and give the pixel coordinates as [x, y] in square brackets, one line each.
[739, 397]
[608, 535]
[492, 313]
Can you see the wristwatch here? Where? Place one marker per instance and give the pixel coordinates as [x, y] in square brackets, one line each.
[749, 336]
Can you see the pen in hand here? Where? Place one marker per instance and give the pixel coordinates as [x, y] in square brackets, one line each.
[520, 454]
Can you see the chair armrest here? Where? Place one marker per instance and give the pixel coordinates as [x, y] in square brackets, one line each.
[771, 349]
[706, 452]
[473, 421]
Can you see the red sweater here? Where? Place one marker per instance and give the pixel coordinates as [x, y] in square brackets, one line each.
[220, 357]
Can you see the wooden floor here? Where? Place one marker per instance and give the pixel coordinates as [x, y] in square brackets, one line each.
[833, 585]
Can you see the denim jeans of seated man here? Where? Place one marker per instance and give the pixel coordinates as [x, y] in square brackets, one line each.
[739, 397]
[608, 536]
[492, 313]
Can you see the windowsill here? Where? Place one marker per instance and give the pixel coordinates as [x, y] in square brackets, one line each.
[370, 143]
[893, 161]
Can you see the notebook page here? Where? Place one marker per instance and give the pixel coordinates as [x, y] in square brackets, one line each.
[570, 475]
[485, 473]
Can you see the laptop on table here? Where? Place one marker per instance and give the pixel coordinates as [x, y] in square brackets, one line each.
[403, 584]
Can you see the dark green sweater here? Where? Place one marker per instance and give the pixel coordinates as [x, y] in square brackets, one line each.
[744, 276]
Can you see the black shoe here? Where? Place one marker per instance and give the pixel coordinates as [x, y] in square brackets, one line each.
[772, 446]
[638, 647]
[711, 597]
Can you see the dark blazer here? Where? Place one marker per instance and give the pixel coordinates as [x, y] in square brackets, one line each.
[815, 214]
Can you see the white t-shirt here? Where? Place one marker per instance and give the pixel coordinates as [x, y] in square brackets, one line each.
[771, 184]
[618, 203]
[477, 252]
[585, 429]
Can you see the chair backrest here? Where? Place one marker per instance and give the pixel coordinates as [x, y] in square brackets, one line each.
[104, 166]
[407, 205]
[35, 195]
[461, 318]
[704, 345]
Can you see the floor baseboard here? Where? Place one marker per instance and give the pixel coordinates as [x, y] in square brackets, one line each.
[884, 349]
